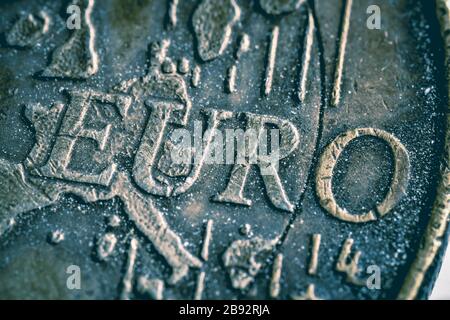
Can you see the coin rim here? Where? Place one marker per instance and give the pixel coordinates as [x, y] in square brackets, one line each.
[436, 229]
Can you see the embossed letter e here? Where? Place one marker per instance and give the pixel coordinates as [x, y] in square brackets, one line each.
[73, 128]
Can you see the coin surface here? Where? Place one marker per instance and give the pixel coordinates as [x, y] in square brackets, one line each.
[222, 149]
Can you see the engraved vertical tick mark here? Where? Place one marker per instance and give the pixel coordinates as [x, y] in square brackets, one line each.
[243, 47]
[207, 240]
[195, 79]
[205, 255]
[336, 94]
[276, 275]
[200, 286]
[306, 59]
[127, 281]
[312, 270]
[231, 79]
[183, 65]
[172, 13]
[271, 60]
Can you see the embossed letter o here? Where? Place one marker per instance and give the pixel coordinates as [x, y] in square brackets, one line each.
[329, 159]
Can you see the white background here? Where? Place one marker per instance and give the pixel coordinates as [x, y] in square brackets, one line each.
[441, 290]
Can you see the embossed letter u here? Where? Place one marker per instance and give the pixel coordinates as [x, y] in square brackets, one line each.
[160, 117]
